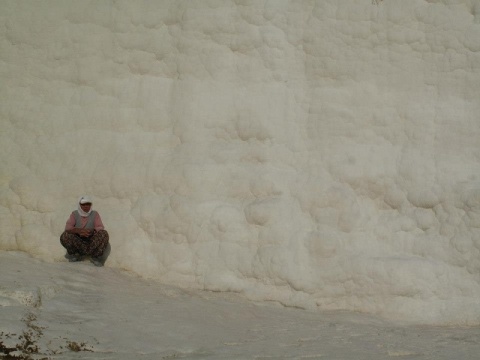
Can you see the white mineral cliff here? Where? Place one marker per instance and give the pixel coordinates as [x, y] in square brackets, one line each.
[323, 154]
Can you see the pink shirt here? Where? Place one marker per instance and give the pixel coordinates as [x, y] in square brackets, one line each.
[97, 223]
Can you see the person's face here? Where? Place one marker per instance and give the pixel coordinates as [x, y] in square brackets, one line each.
[86, 207]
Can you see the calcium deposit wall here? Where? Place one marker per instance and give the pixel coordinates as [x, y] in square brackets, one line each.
[322, 154]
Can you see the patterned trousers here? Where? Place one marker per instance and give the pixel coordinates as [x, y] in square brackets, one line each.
[93, 246]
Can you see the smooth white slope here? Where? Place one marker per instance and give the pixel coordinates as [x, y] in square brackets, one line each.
[78, 311]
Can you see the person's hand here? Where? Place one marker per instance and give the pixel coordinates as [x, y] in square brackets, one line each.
[85, 232]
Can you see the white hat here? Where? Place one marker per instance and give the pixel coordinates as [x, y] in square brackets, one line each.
[85, 200]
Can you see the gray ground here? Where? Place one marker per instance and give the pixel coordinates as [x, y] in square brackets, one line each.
[77, 311]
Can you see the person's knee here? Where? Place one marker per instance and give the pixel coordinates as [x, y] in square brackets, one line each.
[64, 238]
[103, 234]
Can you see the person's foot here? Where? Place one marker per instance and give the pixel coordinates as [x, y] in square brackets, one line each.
[74, 258]
[96, 261]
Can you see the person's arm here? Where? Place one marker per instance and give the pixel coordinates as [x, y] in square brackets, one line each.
[70, 225]
[98, 224]
[71, 229]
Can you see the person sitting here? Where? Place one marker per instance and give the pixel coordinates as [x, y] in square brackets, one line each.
[85, 234]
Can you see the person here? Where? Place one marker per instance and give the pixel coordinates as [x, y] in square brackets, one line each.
[85, 234]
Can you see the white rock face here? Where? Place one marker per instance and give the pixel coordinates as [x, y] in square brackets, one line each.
[316, 153]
